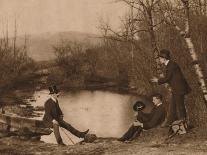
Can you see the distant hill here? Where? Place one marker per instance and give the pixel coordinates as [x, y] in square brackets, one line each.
[40, 47]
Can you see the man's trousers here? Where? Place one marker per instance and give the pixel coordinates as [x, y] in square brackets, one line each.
[132, 133]
[67, 126]
[176, 110]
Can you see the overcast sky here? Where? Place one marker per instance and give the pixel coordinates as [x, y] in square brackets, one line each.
[38, 16]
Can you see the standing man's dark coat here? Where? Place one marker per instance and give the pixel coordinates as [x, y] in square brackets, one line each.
[174, 77]
[179, 86]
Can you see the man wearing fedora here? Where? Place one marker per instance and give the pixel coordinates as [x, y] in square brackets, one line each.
[148, 115]
[178, 84]
[53, 117]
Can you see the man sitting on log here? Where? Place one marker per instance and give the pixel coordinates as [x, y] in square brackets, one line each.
[53, 117]
[149, 115]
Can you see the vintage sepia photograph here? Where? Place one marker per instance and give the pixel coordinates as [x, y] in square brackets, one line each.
[103, 77]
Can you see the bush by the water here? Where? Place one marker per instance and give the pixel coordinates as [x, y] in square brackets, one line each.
[79, 66]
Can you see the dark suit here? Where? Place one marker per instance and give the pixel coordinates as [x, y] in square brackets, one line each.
[53, 112]
[151, 120]
[175, 78]
[155, 118]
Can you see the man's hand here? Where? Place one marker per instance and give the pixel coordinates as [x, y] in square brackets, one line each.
[137, 123]
[135, 114]
[55, 122]
[162, 75]
[154, 80]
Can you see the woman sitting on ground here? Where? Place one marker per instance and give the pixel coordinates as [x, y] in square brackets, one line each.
[149, 115]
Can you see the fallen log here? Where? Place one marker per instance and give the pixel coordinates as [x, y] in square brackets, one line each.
[23, 126]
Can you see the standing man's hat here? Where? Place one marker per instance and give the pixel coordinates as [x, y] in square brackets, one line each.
[144, 104]
[164, 53]
[53, 90]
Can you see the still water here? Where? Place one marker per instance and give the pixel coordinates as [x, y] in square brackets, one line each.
[106, 114]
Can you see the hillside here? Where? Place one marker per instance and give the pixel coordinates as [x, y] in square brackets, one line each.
[40, 47]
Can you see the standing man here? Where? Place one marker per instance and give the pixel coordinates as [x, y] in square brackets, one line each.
[179, 87]
[53, 117]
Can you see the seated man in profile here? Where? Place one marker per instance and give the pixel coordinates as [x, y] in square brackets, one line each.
[53, 117]
[146, 119]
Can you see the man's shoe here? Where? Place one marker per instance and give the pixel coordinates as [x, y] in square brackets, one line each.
[165, 124]
[84, 133]
[127, 141]
[121, 139]
[62, 144]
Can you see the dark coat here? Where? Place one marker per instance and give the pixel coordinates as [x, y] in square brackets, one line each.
[174, 77]
[155, 118]
[52, 112]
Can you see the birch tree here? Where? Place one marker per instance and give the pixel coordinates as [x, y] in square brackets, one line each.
[171, 18]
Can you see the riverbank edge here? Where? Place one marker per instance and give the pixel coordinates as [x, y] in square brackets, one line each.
[113, 89]
[150, 142]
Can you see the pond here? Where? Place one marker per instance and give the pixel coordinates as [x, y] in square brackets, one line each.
[106, 114]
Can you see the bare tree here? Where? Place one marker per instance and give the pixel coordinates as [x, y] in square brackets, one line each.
[139, 19]
[147, 21]
[172, 18]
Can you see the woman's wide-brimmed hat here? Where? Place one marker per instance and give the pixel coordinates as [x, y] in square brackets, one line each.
[144, 104]
[53, 90]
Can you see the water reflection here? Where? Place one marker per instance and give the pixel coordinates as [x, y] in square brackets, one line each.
[106, 114]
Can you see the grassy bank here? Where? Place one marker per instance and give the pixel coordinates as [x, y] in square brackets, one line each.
[150, 142]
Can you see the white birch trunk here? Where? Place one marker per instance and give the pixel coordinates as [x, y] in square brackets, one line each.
[191, 49]
[186, 36]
